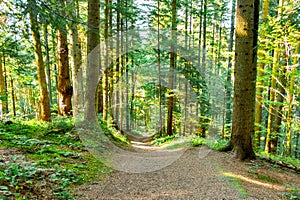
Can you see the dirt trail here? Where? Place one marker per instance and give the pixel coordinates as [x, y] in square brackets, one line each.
[199, 173]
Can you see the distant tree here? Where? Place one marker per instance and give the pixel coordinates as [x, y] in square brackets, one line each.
[65, 90]
[228, 83]
[44, 96]
[172, 67]
[274, 117]
[3, 94]
[93, 57]
[260, 74]
[106, 59]
[76, 54]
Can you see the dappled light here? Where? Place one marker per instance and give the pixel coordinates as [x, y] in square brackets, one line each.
[256, 182]
[149, 99]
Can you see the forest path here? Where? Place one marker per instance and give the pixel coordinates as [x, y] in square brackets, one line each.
[200, 173]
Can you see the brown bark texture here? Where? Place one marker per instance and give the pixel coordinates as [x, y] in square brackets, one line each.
[245, 78]
[44, 96]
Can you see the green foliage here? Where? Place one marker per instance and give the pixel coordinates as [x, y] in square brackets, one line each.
[194, 140]
[197, 141]
[233, 182]
[277, 158]
[266, 178]
[218, 144]
[26, 179]
[48, 159]
[293, 192]
[236, 184]
[113, 134]
[163, 140]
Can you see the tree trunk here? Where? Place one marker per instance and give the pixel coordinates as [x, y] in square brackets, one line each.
[118, 65]
[228, 84]
[48, 71]
[13, 98]
[111, 72]
[106, 60]
[203, 66]
[245, 77]
[2, 90]
[65, 90]
[290, 105]
[272, 135]
[126, 70]
[44, 96]
[160, 123]
[203, 119]
[5, 86]
[259, 84]
[77, 74]
[171, 73]
[200, 32]
[92, 71]
[55, 60]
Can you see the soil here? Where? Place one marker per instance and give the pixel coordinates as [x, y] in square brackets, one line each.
[200, 173]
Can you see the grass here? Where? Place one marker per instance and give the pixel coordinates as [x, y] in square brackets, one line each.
[236, 184]
[233, 182]
[48, 159]
[215, 144]
[266, 178]
[293, 192]
[289, 160]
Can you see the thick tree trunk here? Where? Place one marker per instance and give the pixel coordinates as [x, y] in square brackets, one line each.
[44, 96]
[245, 77]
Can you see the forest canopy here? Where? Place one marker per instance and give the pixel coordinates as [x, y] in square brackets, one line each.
[163, 67]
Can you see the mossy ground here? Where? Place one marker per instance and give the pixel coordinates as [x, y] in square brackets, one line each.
[44, 160]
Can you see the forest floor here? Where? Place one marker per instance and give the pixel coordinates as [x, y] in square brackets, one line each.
[200, 173]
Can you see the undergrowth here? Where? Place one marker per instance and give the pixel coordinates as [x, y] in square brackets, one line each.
[216, 144]
[288, 160]
[44, 160]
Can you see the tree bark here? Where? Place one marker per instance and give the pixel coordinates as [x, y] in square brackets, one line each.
[106, 59]
[13, 98]
[48, 71]
[171, 73]
[65, 90]
[272, 135]
[92, 71]
[259, 84]
[44, 96]
[291, 105]
[228, 84]
[245, 77]
[2, 90]
[77, 74]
